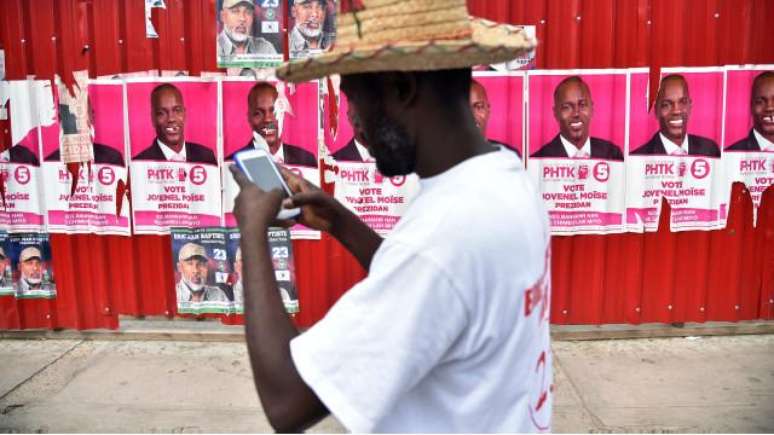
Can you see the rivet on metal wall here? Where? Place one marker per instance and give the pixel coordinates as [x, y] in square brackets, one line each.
[107, 309]
[771, 301]
[23, 40]
[717, 14]
[649, 22]
[166, 313]
[564, 312]
[637, 309]
[182, 39]
[669, 307]
[736, 307]
[701, 309]
[542, 21]
[578, 18]
[48, 316]
[120, 41]
[53, 38]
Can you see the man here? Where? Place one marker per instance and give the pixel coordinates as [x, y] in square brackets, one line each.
[354, 150]
[266, 136]
[673, 110]
[236, 37]
[761, 137]
[479, 105]
[168, 118]
[573, 110]
[6, 276]
[103, 154]
[449, 330]
[31, 272]
[192, 266]
[308, 34]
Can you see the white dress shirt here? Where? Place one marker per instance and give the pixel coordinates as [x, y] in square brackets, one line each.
[170, 154]
[763, 143]
[363, 151]
[674, 149]
[574, 152]
[260, 144]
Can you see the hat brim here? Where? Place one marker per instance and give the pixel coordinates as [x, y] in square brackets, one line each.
[489, 43]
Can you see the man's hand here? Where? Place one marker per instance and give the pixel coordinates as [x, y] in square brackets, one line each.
[319, 210]
[254, 208]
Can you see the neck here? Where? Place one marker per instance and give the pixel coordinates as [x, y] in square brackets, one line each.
[579, 142]
[678, 140]
[274, 146]
[440, 147]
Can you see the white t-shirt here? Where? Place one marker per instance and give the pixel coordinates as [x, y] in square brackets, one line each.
[442, 336]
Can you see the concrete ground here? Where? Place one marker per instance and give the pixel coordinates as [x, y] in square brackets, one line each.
[707, 384]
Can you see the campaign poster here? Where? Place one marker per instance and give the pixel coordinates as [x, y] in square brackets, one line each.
[22, 208]
[249, 33]
[30, 259]
[577, 134]
[673, 151]
[173, 136]
[202, 271]
[73, 109]
[497, 103]
[748, 153]
[377, 200]
[6, 267]
[311, 27]
[98, 206]
[281, 119]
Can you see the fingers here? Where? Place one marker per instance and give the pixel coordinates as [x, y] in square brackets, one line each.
[239, 176]
[309, 198]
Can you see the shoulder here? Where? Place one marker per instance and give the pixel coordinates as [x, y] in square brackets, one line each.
[263, 46]
[249, 146]
[703, 146]
[296, 155]
[200, 153]
[649, 147]
[149, 153]
[551, 149]
[745, 144]
[20, 154]
[106, 154]
[605, 149]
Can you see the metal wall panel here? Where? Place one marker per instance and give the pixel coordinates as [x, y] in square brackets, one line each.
[627, 278]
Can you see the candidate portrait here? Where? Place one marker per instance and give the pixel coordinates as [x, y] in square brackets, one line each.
[192, 265]
[309, 33]
[761, 136]
[238, 18]
[673, 112]
[262, 118]
[573, 110]
[168, 117]
[482, 109]
[103, 154]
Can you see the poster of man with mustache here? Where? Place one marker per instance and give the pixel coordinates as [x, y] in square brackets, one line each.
[312, 25]
[249, 33]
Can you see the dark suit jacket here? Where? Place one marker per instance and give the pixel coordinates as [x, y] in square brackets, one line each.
[498, 143]
[102, 154]
[747, 144]
[697, 146]
[291, 155]
[348, 153]
[194, 153]
[600, 149]
[20, 154]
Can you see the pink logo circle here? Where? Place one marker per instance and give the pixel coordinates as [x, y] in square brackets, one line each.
[700, 168]
[22, 175]
[106, 175]
[198, 175]
[602, 172]
[398, 180]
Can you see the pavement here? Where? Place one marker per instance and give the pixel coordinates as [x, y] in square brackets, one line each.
[162, 384]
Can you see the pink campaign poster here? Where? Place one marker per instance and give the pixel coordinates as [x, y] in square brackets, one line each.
[674, 151]
[98, 206]
[22, 205]
[497, 103]
[280, 118]
[379, 201]
[577, 134]
[175, 177]
[748, 144]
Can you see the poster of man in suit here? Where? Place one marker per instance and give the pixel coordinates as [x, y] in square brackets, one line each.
[275, 117]
[749, 128]
[96, 207]
[173, 146]
[577, 130]
[674, 152]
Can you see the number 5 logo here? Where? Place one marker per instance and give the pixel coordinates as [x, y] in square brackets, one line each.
[700, 168]
[198, 175]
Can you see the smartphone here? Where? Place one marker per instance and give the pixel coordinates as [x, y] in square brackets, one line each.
[259, 168]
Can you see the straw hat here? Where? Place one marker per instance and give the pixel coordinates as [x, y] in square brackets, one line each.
[409, 35]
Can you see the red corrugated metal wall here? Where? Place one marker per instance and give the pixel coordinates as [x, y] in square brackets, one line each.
[628, 278]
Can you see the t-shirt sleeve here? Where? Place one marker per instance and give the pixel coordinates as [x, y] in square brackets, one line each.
[382, 337]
